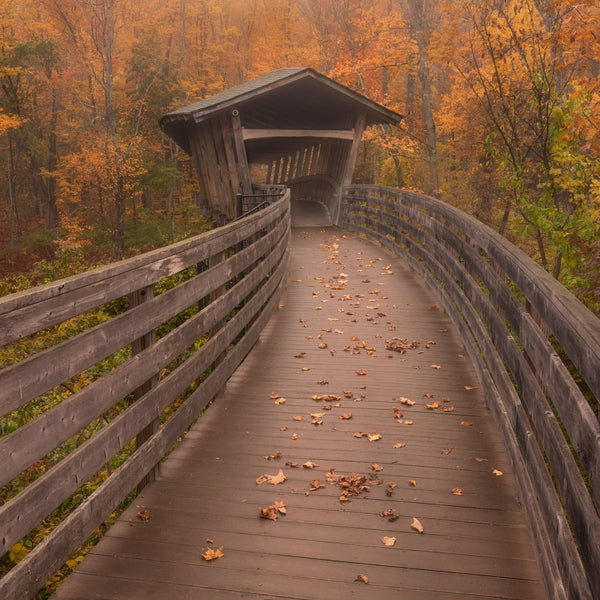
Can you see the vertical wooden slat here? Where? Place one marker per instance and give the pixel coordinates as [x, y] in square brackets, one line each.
[240, 148]
[135, 299]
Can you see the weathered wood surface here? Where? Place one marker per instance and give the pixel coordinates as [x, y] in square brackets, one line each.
[352, 296]
[243, 281]
[478, 272]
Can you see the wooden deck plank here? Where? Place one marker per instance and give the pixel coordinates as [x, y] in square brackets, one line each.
[475, 545]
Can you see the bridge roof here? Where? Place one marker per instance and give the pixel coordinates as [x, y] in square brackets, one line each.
[288, 98]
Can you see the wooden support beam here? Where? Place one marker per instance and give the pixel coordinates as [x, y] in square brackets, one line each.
[257, 134]
[240, 148]
[348, 169]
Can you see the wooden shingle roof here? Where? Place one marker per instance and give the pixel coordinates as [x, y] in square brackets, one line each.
[288, 98]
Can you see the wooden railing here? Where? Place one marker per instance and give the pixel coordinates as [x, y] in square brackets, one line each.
[228, 284]
[531, 341]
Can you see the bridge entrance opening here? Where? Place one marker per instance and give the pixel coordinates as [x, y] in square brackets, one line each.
[310, 213]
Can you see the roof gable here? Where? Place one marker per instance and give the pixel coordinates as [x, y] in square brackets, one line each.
[288, 98]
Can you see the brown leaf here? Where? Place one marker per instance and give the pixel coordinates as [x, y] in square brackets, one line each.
[389, 514]
[145, 514]
[416, 525]
[322, 382]
[480, 460]
[315, 484]
[280, 401]
[362, 578]
[346, 417]
[376, 467]
[373, 437]
[497, 473]
[363, 372]
[400, 445]
[406, 401]
[457, 491]
[273, 456]
[446, 451]
[272, 479]
[388, 541]
[274, 395]
[297, 417]
[300, 355]
[309, 464]
[412, 483]
[433, 405]
[397, 413]
[211, 554]
[466, 423]
[273, 511]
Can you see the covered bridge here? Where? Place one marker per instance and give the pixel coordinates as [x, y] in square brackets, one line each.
[292, 127]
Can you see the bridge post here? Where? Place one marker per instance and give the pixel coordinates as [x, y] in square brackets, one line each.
[135, 299]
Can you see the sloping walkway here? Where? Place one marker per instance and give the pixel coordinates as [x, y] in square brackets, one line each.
[346, 312]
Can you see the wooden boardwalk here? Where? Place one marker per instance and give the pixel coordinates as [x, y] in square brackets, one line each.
[345, 311]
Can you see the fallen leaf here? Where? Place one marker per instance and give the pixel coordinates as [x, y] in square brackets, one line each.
[416, 525]
[322, 382]
[272, 479]
[400, 445]
[211, 554]
[323, 346]
[297, 417]
[275, 395]
[363, 372]
[305, 368]
[273, 511]
[409, 422]
[480, 460]
[406, 401]
[315, 485]
[457, 491]
[433, 405]
[436, 367]
[280, 401]
[346, 417]
[294, 436]
[362, 578]
[388, 541]
[300, 355]
[293, 465]
[412, 483]
[446, 451]
[309, 464]
[466, 423]
[397, 413]
[389, 514]
[376, 467]
[469, 387]
[497, 473]
[373, 437]
[145, 514]
[273, 456]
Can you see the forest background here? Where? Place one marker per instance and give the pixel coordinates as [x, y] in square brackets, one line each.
[501, 105]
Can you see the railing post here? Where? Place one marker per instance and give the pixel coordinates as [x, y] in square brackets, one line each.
[135, 299]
